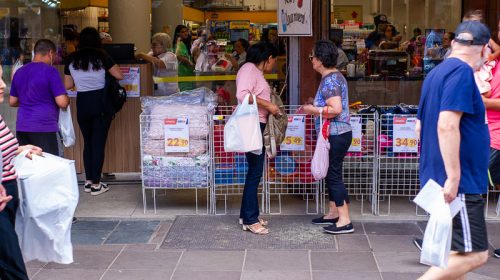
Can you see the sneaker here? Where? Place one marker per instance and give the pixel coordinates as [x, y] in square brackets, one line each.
[333, 229]
[322, 221]
[74, 221]
[418, 243]
[102, 189]
[497, 253]
[87, 187]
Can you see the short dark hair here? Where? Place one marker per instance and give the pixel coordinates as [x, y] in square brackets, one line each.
[244, 43]
[326, 52]
[260, 52]
[44, 46]
[451, 34]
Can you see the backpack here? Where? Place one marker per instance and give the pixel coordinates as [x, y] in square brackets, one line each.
[275, 130]
[114, 94]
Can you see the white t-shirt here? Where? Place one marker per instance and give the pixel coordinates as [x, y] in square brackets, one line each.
[170, 60]
[88, 80]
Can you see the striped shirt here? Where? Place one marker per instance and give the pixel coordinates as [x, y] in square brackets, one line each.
[8, 147]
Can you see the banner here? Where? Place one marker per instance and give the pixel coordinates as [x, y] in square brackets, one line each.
[356, 134]
[294, 135]
[176, 135]
[131, 81]
[405, 138]
[294, 18]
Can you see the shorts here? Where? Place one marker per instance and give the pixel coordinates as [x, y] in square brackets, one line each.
[469, 227]
[494, 167]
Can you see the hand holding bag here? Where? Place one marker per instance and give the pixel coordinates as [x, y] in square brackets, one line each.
[66, 127]
[321, 158]
[242, 131]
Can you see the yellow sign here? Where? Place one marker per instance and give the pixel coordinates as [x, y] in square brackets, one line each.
[345, 13]
[239, 25]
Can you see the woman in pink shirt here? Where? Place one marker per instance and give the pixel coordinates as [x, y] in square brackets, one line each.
[261, 58]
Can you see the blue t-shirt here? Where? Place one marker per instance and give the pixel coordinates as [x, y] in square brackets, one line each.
[36, 85]
[334, 84]
[451, 87]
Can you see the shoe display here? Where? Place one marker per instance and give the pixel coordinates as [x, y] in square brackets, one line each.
[87, 187]
[418, 243]
[333, 229]
[322, 221]
[102, 189]
[497, 253]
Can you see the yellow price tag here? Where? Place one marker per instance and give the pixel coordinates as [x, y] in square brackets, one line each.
[177, 142]
[292, 140]
[356, 142]
[406, 142]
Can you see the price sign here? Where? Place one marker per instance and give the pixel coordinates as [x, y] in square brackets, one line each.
[356, 134]
[405, 138]
[294, 135]
[176, 135]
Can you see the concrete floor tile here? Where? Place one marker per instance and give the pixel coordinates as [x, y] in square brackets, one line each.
[211, 261]
[32, 272]
[69, 274]
[276, 275]
[392, 243]
[87, 258]
[123, 237]
[353, 243]
[343, 261]
[89, 237]
[394, 228]
[490, 269]
[405, 262]
[400, 276]
[267, 260]
[351, 275]
[475, 276]
[83, 224]
[206, 275]
[35, 264]
[163, 260]
[139, 247]
[128, 274]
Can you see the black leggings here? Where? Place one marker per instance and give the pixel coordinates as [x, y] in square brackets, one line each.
[45, 140]
[94, 123]
[339, 144]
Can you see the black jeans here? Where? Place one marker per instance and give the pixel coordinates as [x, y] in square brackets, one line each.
[339, 144]
[249, 211]
[45, 140]
[11, 260]
[94, 121]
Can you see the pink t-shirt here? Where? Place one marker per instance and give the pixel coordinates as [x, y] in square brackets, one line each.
[494, 116]
[250, 79]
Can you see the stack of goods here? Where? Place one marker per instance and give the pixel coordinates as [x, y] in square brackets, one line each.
[162, 169]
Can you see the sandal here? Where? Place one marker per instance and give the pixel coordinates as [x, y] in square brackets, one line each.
[261, 221]
[256, 228]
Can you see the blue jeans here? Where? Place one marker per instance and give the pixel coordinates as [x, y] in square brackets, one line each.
[249, 211]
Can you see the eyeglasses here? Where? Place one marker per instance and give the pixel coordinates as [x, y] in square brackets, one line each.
[311, 57]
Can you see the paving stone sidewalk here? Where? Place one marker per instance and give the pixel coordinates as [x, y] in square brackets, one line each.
[152, 249]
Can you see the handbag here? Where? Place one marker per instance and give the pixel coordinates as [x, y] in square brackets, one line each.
[242, 131]
[275, 130]
[321, 158]
[115, 95]
[66, 127]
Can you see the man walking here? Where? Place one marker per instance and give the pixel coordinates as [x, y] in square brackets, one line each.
[451, 114]
[38, 91]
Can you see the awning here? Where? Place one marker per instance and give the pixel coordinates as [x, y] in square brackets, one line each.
[82, 4]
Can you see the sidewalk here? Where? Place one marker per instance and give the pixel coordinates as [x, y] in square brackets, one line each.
[114, 239]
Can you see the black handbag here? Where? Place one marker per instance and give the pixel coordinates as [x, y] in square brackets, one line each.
[115, 95]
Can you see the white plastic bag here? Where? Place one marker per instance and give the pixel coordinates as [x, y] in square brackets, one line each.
[321, 157]
[66, 127]
[437, 237]
[242, 131]
[49, 195]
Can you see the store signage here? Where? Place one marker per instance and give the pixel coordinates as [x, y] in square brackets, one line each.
[405, 139]
[294, 135]
[239, 24]
[343, 13]
[176, 135]
[294, 18]
[131, 81]
[356, 134]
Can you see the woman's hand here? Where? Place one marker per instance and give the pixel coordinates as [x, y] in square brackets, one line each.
[273, 109]
[32, 150]
[310, 109]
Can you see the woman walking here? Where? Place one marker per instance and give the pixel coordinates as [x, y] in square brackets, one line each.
[332, 102]
[87, 69]
[261, 58]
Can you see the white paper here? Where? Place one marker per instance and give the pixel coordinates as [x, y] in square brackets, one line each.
[405, 138]
[356, 134]
[176, 135]
[428, 197]
[294, 135]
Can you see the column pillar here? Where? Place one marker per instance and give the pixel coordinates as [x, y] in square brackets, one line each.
[168, 14]
[130, 22]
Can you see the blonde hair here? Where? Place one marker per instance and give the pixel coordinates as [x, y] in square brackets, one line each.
[164, 39]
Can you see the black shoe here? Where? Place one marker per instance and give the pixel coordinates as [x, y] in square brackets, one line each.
[418, 243]
[86, 188]
[322, 221]
[74, 221]
[333, 229]
[497, 253]
[101, 189]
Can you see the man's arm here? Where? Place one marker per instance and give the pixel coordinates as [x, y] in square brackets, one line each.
[62, 101]
[13, 101]
[449, 145]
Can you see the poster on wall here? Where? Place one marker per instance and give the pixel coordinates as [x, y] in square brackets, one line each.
[294, 18]
[131, 81]
[344, 13]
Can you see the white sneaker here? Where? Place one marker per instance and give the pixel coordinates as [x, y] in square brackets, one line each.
[97, 191]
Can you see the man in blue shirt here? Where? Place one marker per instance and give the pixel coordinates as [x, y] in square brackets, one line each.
[455, 146]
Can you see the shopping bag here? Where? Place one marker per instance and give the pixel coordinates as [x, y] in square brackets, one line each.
[437, 237]
[48, 199]
[66, 127]
[242, 131]
[321, 158]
